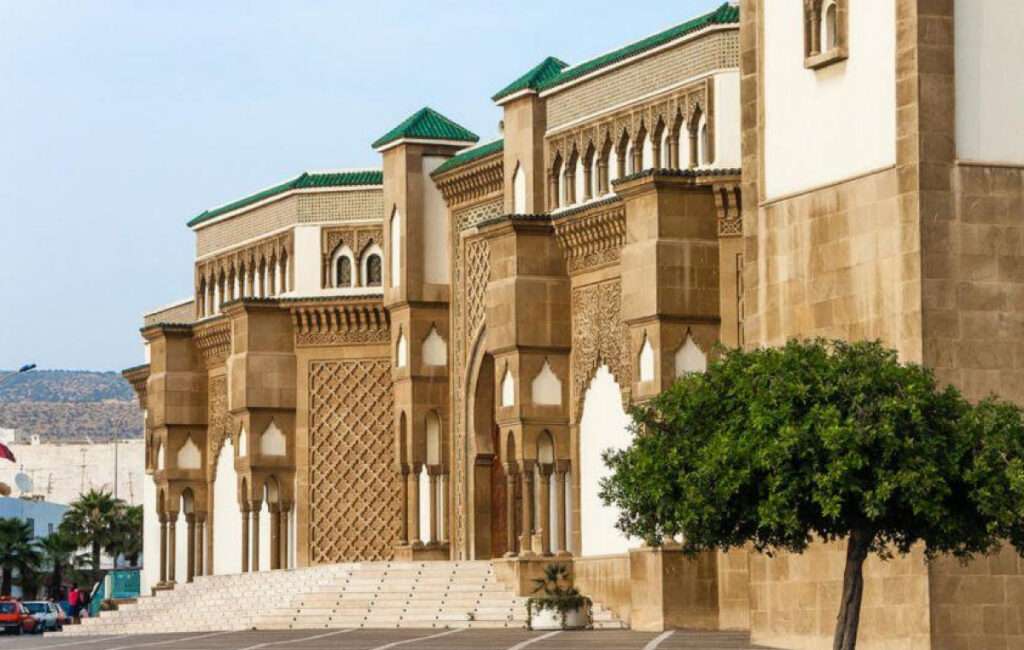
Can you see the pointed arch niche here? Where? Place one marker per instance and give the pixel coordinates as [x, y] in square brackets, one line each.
[690, 358]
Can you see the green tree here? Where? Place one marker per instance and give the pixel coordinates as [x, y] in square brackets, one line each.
[92, 521]
[18, 551]
[828, 440]
[57, 551]
[127, 538]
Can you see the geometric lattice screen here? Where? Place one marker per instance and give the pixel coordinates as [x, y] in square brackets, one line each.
[355, 498]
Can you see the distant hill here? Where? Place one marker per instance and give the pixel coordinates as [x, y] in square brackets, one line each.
[70, 405]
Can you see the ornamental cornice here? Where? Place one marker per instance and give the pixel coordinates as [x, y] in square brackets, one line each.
[592, 236]
[247, 258]
[473, 181]
[213, 339]
[358, 321]
[137, 376]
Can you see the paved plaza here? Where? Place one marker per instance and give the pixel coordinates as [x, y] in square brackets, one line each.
[378, 639]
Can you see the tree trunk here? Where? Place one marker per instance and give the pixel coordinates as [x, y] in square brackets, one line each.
[95, 556]
[56, 580]
[853, 589]
[5, 584]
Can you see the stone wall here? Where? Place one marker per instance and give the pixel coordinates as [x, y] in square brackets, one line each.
[605, 579]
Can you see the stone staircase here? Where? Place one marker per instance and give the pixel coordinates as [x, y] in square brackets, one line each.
[368, 594]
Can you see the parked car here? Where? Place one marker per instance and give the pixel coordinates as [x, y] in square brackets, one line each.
[49, 616]
[14, 618]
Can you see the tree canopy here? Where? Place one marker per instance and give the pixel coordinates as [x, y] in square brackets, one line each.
[822, 439]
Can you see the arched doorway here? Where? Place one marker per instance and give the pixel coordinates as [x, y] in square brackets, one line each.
[487, 489]
[227, 516]
[603, 425]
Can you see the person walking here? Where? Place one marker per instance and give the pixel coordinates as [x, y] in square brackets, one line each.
[73, 595]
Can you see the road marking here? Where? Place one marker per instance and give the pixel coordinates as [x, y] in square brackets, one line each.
[305, 638]
[523, 644]
[165, 642]
[105, 637]
[656, 641]
[419, 638]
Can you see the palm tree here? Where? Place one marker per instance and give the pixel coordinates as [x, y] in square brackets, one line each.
[18, 551]
[92, 521]
[57, 550]
[127, 539]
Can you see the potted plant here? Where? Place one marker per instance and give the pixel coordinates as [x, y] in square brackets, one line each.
[556, 605]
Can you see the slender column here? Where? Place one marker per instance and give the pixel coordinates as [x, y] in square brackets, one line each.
[414, 505]
[588, 179]
[638, 156]
[620, 160]
[673, 151]
[254, 528]
[163, 548]
[432, 474]
[443, 518]
[602, 176]
[526, 533]
[569, 191]
[510, 508]
[815, 29]
[172, 554]
[403, 479]
[285, 530]
[552, 191]
[693, 147]
[211, 303]
[275, 536]
[231, 286]
[272, 277]
[200, 548]
[544, 516]
[656, 152]
[190, 547]
[561, 473]
[245, 538]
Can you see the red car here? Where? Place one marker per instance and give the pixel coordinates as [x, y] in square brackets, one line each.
[14, 618]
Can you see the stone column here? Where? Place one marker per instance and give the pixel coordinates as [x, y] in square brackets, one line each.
[602, 176]
[254, 529]
[816, 29]
[588, 177]
[443, 519]
[620, 160]
[570, 187]
[171, 547]
[673, 151]
[285, 531]
[526, 533]
[163, 548]
[656, 152]
[403, 535]
[638, 156]
[190, 547]
[693, 146]
[275, 535]
[544, 516]
[200, 547]
[561, 474]
[552, 191]
[414, 505]
[432, 473]
[245, 538]
[510, 509]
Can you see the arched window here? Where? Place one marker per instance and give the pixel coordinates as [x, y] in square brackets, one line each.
[343, 272]
[395, 234]
[373, 270]
[705, 144]
[518, 190]
[830, 26]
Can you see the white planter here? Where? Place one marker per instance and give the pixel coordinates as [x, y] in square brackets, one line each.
[551, 619]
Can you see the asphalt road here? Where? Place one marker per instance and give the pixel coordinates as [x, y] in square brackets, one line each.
[405, 639]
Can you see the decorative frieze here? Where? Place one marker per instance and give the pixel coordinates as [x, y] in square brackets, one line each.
[213, 340]
[473, 181]
[599, 337]
[342, 321]
[592, 237]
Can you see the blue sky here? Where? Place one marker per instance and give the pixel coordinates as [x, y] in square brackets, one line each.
[121, 120]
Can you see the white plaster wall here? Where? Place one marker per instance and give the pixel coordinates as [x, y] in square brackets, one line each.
[831, 124]
[604, 425]
[227, 518]
[150, 535]
[435, 226]
[61, 472]
[989, 92]
[180, 548]
[264, 537]
[307, 260]
[727, 119]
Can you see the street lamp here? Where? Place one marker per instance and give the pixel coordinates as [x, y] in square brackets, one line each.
[25, 368]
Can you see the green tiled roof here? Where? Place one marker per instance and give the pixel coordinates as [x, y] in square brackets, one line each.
[537, 75]
[724, 15]
[427, 124]
[469, 155]
[303, 181]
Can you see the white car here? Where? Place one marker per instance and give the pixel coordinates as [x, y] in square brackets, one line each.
[49, 616]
